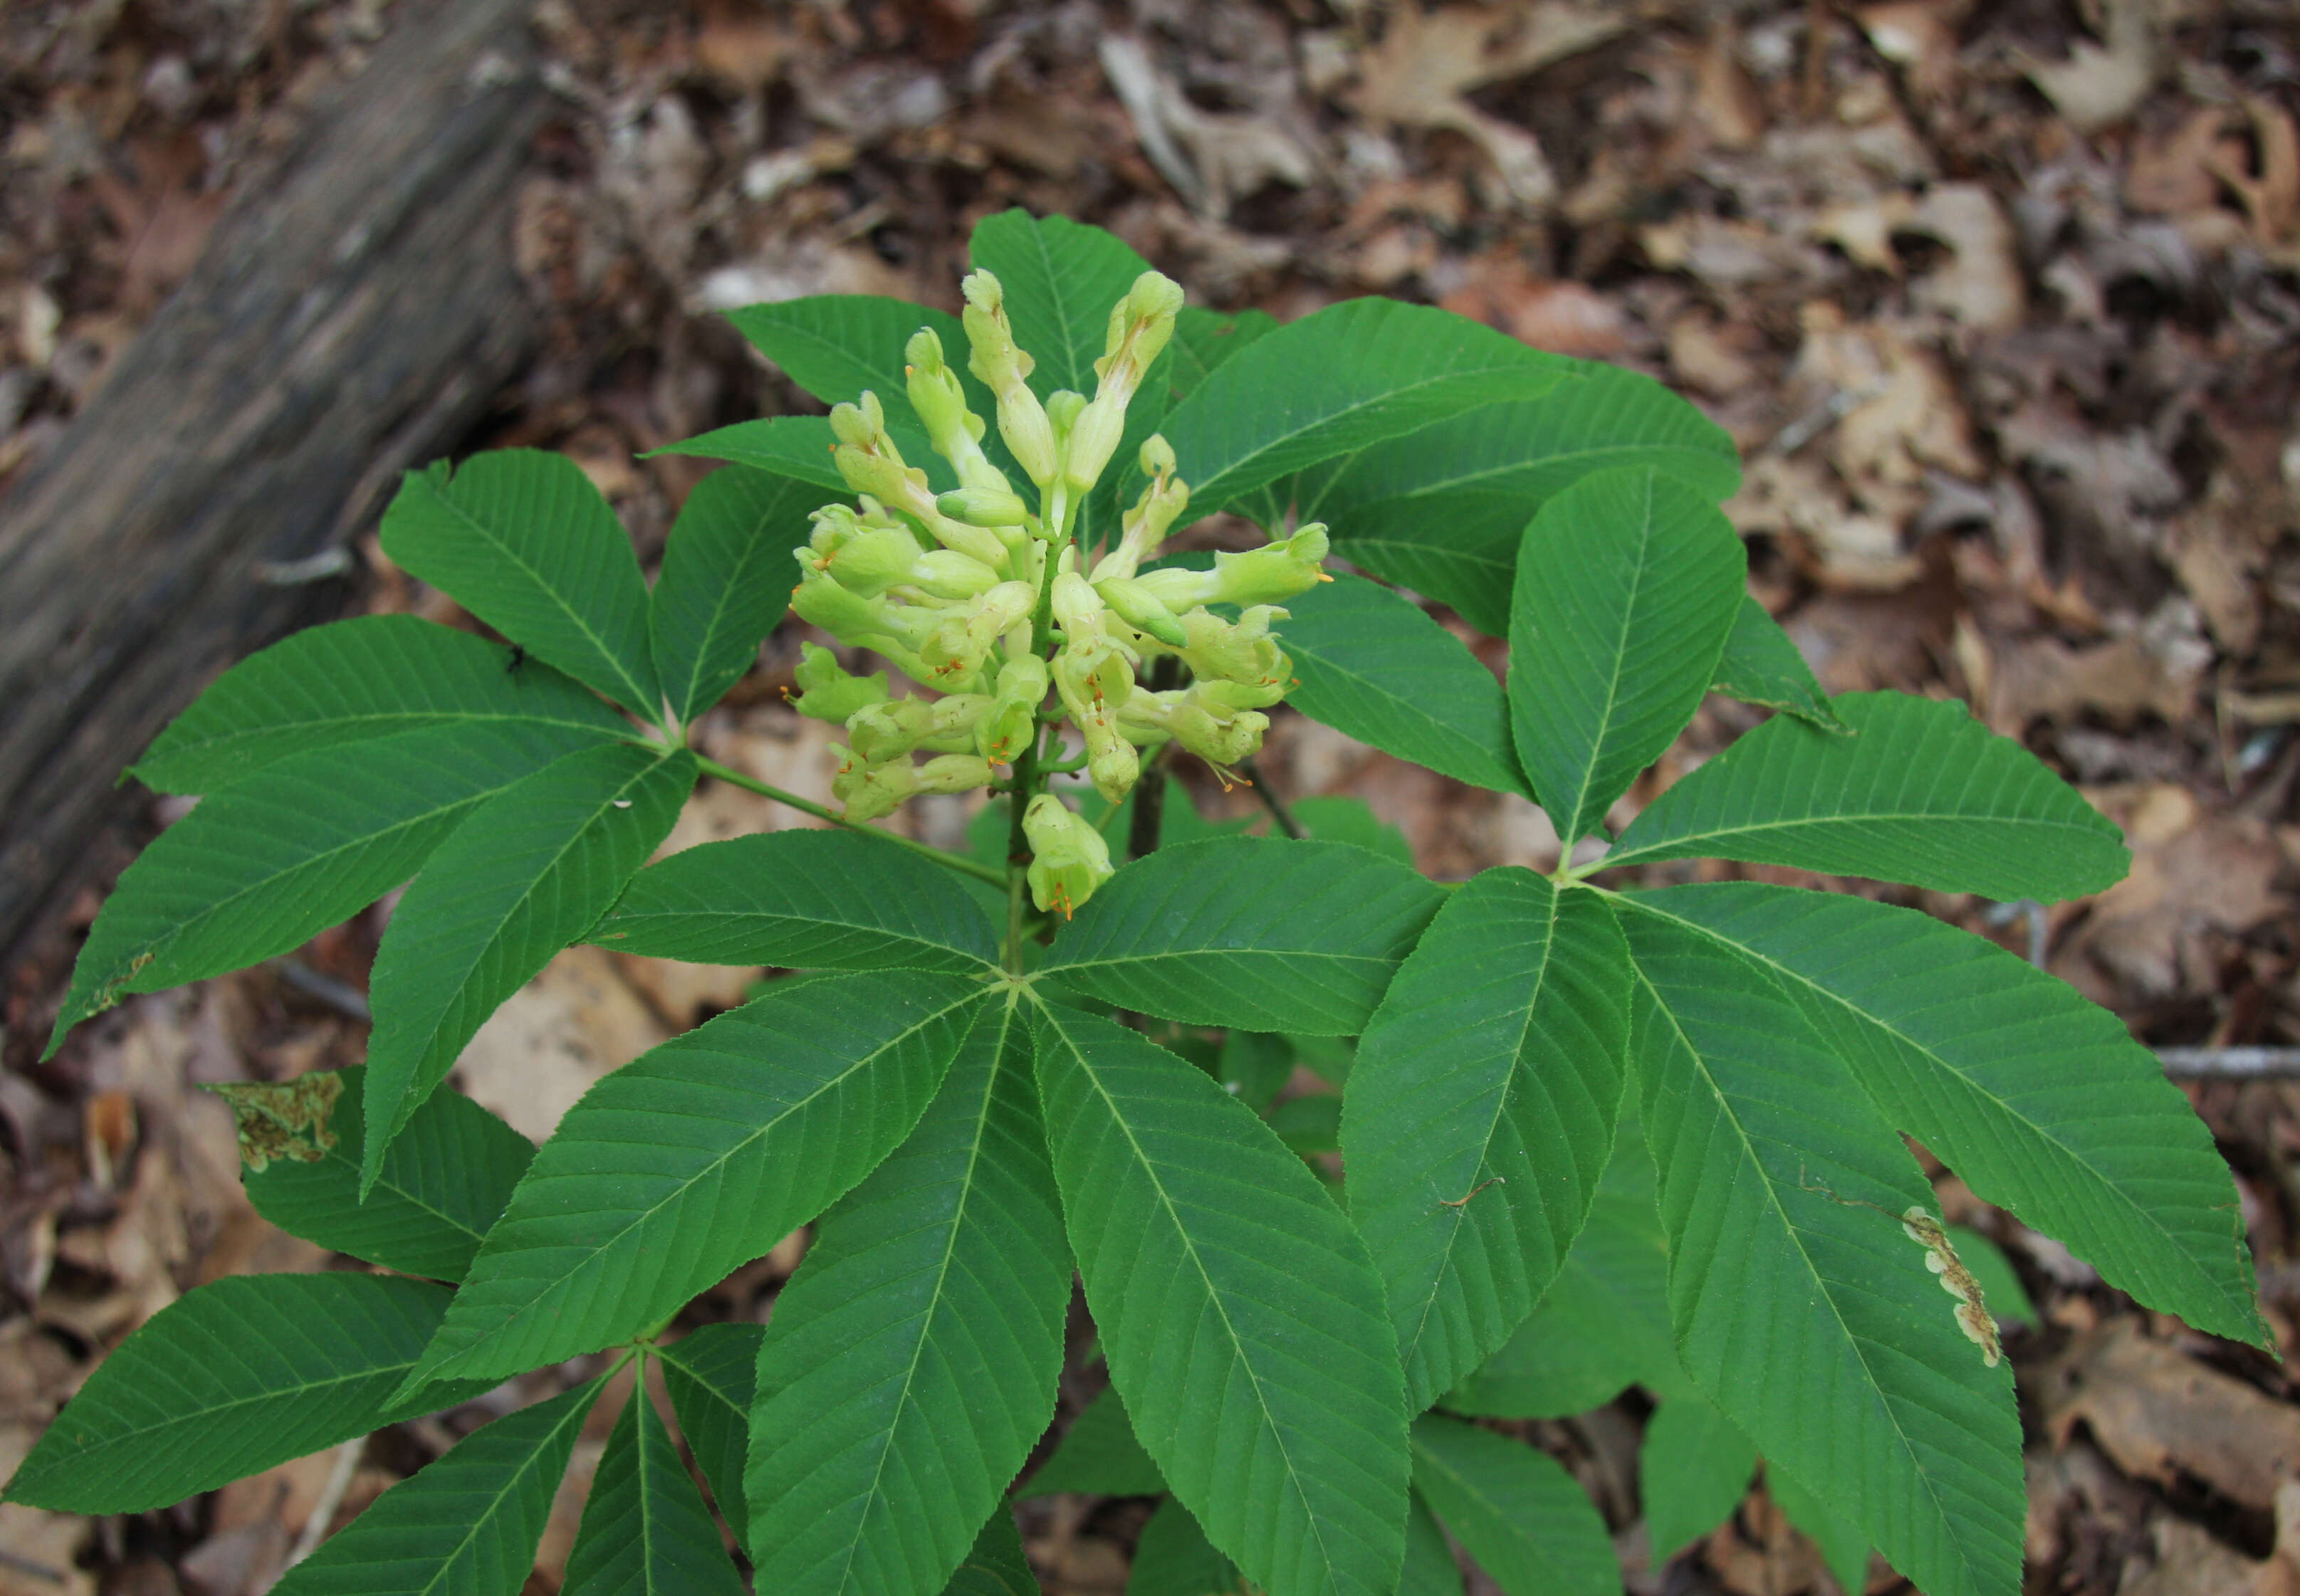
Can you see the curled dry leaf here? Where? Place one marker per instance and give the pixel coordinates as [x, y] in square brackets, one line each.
[2161, 1415]
[1428, 63]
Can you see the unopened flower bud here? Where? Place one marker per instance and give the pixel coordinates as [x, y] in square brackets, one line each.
[880, 732]
[1063, 409]
[1069, 860]
[867, 791]
[1003, 366]
[1005, 730]
[940, 398]
[1157, 456]
[984, 507]
[1092, 440]
[960, 643]
[1138, 608]
[947, 574]
[874, 559]
[954, 773]
[827, 693]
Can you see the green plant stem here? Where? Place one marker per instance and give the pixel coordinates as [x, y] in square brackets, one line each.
[1029, 777]
[965, 867]
[1279, 815]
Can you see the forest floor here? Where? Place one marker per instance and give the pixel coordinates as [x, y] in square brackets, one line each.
[2002, 303]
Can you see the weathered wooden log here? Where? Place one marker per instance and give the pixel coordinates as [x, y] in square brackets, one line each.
[354, 311]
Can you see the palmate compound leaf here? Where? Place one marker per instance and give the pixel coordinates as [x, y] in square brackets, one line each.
[1762, 666]
[1263, 935]
[1626, 587]
[229, 1379]
[645, 1530]
[1374, 666]
[803, 900]
[522, 540]
[1921, 793]
[259, 869]
[1603, 1324]
[697, 1157]
[1442, 510]
[1204, 339]
[1339, 381]
[911, 1363]
[524, 874]
[709, 1374]
[720, 589]
[1098, 1455]
[1692, 1470]
[353, 681]
[446, 1179]
[1480, 1114]
[1514, 1509]
[1810, 1320]
[1240, 1317]
[468, 1524]
[2040, 1101]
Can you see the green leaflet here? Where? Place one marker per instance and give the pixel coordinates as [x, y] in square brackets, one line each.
[1240, 1317]
[1060, 280]
[996, 1565]
[1627, 585]
[697, 1157]
[720, 589]
[1441, 509]
[1173, 1557]
[1373, 665]
[1921, 793]
[1480, 1114]
[1811, 1321]
[228, 1380]
[353, 680]
[811, 900]
[836, 345]
[1253, 1065]
[1352, 821]
[1603, 1324]
[709, 1374]
[1339, 381]
[525, 874]
[1515, 1509]
[2042, 1103]
[1762, 666]
[1842, 1547]
[1204, 339]
[1430, 1570]
[523, 541]
[1264, 935]
[1692, 1470]
[259, 869]
[468, 1524]
[444, 1183]
[911, 1363]
[796, 448]
[1097, 1456]
[645, 1530]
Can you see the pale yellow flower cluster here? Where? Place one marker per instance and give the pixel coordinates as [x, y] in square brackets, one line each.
[989, 599]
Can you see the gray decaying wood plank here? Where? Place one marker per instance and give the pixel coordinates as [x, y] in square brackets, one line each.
[353, 314]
